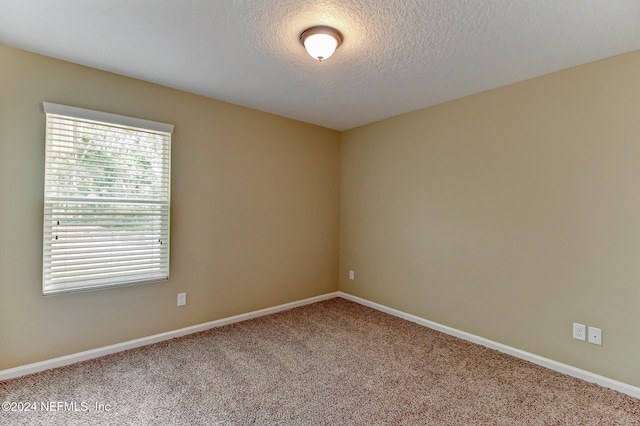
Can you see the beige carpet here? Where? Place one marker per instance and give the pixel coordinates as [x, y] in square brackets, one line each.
[330, 363]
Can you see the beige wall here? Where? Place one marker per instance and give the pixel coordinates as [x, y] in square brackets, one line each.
[254, 212]
[509, 214]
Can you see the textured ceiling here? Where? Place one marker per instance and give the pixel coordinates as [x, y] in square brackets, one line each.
[397, 56]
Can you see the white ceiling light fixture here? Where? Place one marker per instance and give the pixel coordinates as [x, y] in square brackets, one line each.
[321, 41]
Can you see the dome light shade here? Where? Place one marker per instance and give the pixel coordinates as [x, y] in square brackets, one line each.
[321, 41]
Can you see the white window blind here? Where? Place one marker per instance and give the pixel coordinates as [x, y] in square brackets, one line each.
[106, 200]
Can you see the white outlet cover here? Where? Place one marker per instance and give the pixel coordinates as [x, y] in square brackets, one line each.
[595, 335]
[579, 331]
[352, 275]
[182, 299]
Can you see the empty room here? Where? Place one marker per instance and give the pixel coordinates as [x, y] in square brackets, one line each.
[320, 212]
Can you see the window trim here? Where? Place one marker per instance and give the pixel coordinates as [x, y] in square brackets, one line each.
[75, 113]
[106, 117]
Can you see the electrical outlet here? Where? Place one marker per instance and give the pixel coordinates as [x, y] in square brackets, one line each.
[182, 299]
[579, 331]
[595, 335]
[352, 275]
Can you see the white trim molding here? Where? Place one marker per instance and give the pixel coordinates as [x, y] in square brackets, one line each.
[527, 356]
[90, 114]
[119, 347]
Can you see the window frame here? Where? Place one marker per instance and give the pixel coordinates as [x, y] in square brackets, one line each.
[153, 205]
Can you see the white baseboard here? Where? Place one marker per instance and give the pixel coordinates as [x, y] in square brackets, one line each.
[536, 359]
[107, 350]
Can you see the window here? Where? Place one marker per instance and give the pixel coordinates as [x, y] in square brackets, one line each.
[106, 200]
